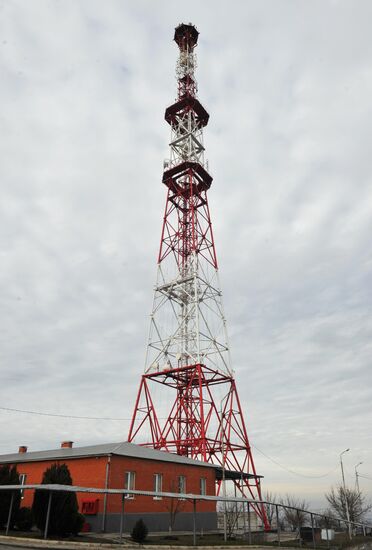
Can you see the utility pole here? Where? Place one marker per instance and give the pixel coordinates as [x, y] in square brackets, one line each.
[357, 478]
[345, 494]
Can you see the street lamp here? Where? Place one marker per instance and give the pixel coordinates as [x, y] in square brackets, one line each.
[345, 495]
[356, 477]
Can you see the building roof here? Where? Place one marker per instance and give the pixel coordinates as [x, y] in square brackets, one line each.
[118, 449]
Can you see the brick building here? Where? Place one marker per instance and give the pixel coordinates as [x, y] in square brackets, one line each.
[129, 466]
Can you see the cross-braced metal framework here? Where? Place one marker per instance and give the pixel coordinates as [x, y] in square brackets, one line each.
[188, 352]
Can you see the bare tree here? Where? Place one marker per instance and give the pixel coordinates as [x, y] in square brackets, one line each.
[174, 506]
[327, 520]
[295, 515]
[234, 511]
[357, 504]
[270, 507]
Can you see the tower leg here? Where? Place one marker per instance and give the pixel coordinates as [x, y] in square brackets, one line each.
[195, 426]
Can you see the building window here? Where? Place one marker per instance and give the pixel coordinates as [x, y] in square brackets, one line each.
[129, 482]
[182, 484]
[22, 481]
[203, 486]
[158, 485]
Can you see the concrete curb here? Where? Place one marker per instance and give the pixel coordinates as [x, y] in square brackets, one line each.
[67, 545]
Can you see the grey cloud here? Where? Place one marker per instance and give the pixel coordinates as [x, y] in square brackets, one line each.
[288, 87]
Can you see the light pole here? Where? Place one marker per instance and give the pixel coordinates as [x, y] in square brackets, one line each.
[345, 495]
[356, 477]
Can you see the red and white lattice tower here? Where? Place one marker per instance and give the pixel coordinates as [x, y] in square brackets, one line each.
[197, 413]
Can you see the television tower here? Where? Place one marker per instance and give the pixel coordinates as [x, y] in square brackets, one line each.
[187, 401]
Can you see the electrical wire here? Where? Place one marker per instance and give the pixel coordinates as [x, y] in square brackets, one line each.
[38, 413]
[114, 419]
[365, 477]
[293, 471]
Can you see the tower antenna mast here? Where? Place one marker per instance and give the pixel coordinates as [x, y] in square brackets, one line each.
[197, 412]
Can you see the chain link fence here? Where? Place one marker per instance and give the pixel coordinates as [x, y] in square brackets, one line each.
[290, 526]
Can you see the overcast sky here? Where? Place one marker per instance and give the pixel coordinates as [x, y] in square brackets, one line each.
[288, 86]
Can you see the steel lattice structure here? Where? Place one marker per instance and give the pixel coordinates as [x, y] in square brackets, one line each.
[188, 351]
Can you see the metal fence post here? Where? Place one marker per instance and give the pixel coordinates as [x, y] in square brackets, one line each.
[48, 515]
[236, 512]
[122, 516]
[242, 506]
[326, 522]
[225, 520]
[194, 523]
[249, 525]
[244, 519]
[277, 523]
[10, 513]
[312, 529]
[364, 530]
[299, 527]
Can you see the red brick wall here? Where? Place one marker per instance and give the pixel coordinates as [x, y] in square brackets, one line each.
[87, 472]
[145, 470]
[91, 472]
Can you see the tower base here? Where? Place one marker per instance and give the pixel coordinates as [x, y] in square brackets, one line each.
[201, 424]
